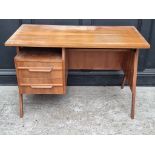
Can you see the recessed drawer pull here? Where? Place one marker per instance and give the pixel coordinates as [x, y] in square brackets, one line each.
[40, 70]
[42, 87]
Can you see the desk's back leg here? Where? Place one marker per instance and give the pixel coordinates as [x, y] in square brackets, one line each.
[123, 82]
[134, 81]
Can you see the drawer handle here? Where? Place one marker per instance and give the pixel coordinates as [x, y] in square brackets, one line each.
[40, 70]
[42, 87]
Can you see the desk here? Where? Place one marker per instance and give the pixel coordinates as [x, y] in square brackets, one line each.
[79, 47]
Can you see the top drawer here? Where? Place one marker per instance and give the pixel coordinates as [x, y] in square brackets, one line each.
[27, 64]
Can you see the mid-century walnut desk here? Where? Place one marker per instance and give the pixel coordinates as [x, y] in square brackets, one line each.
[46, 52]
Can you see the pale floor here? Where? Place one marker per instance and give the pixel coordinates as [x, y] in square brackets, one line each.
[84, 110]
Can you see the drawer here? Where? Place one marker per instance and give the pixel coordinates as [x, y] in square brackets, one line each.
[53, 65]
[41, 72]
[42, 89]
[23, 80]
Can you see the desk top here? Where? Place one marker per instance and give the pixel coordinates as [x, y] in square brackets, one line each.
[30, 35]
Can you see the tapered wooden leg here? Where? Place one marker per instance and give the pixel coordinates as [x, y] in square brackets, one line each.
[21, 105]
[133, 105]
[123, 82]
[134, 81]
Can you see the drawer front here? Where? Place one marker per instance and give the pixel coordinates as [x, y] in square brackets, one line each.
[39, 73]
[42, 89]
[54, 65]
[40, 81]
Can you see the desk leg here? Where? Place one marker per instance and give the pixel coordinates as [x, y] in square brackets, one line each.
[21, 105]
[123, 82]
[20, 94]
[130, 70]
[134, 81]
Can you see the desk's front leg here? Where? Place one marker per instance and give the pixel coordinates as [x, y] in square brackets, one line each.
[134, 81]
[130, 70]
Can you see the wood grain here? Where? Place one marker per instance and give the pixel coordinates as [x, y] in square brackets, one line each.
[96, 59]
[29, 35]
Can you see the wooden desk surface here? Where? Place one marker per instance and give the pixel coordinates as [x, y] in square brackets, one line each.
[29, 35]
